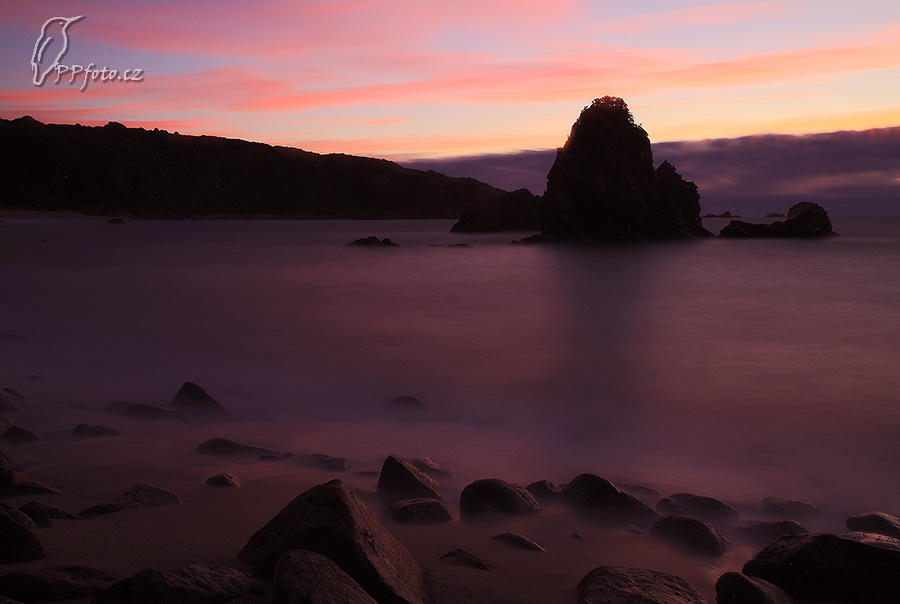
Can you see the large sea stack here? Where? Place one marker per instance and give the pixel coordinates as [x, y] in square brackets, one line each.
[603, 186]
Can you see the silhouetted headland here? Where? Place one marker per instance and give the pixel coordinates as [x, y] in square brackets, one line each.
[112, 170]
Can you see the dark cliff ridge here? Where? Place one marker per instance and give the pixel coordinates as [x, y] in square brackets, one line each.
[112, 170]
[602, 185]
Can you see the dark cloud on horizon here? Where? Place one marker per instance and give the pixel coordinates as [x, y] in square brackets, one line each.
[855, 173]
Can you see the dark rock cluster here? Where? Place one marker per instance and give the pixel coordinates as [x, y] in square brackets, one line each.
[805, 220]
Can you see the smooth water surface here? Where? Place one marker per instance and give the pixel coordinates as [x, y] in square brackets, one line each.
[732, 368]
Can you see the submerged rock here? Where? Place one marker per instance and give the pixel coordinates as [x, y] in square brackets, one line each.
[87, 431]
[428, 511]
[602, 500]
[12, 400]
[224, 480]
[463, 557]
[762, 532]
[693, 535]
[140, 496]
[331, 520]
[495, 495]
[875, 522]
[195, 402]
[326, 462]
[197, 584]
[707, 508]
[518, 541]
[226, 447]
[785, 508]
[602, 185]
[619, 584]
[41, 512]
[142, 411]
[432, 467]
[399, 479]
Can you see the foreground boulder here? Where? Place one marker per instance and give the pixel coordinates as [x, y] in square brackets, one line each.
[55, 583]
[707, 508]
[603, 186]
[399, 479]
[303, 577]
[693, 535]
[331, 520]
[18, 543]
[875, 522]
[495, 495]
[829, 567]
[805, 220]
[196, 584]
[193, 401]
[140, 496]
[602, 500]
[737, 588]
[618, 585]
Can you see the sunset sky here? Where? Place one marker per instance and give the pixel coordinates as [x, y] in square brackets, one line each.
[429, 79]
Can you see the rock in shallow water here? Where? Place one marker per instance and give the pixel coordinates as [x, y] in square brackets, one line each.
[875, 522]
[224, 480]
[424, 511]
[331, 520]
[88, 431]
[618, 585]
[694, 535]
[399, 479]
[17, 436]
[196, 584]
[140, 496]
[195, 402]
[708, 508]
[604, 501]
[518, 541]
[495, 495]
[41, 512]
[226, 447]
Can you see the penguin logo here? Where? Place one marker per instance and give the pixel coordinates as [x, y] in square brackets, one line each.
[44, 40]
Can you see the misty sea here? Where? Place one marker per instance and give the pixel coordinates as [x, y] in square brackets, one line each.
[732, 368]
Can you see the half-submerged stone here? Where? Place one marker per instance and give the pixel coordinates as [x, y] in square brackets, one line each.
[195, 402]
[399, 479]
[331, 520]
[602, 500]
[495, 495]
